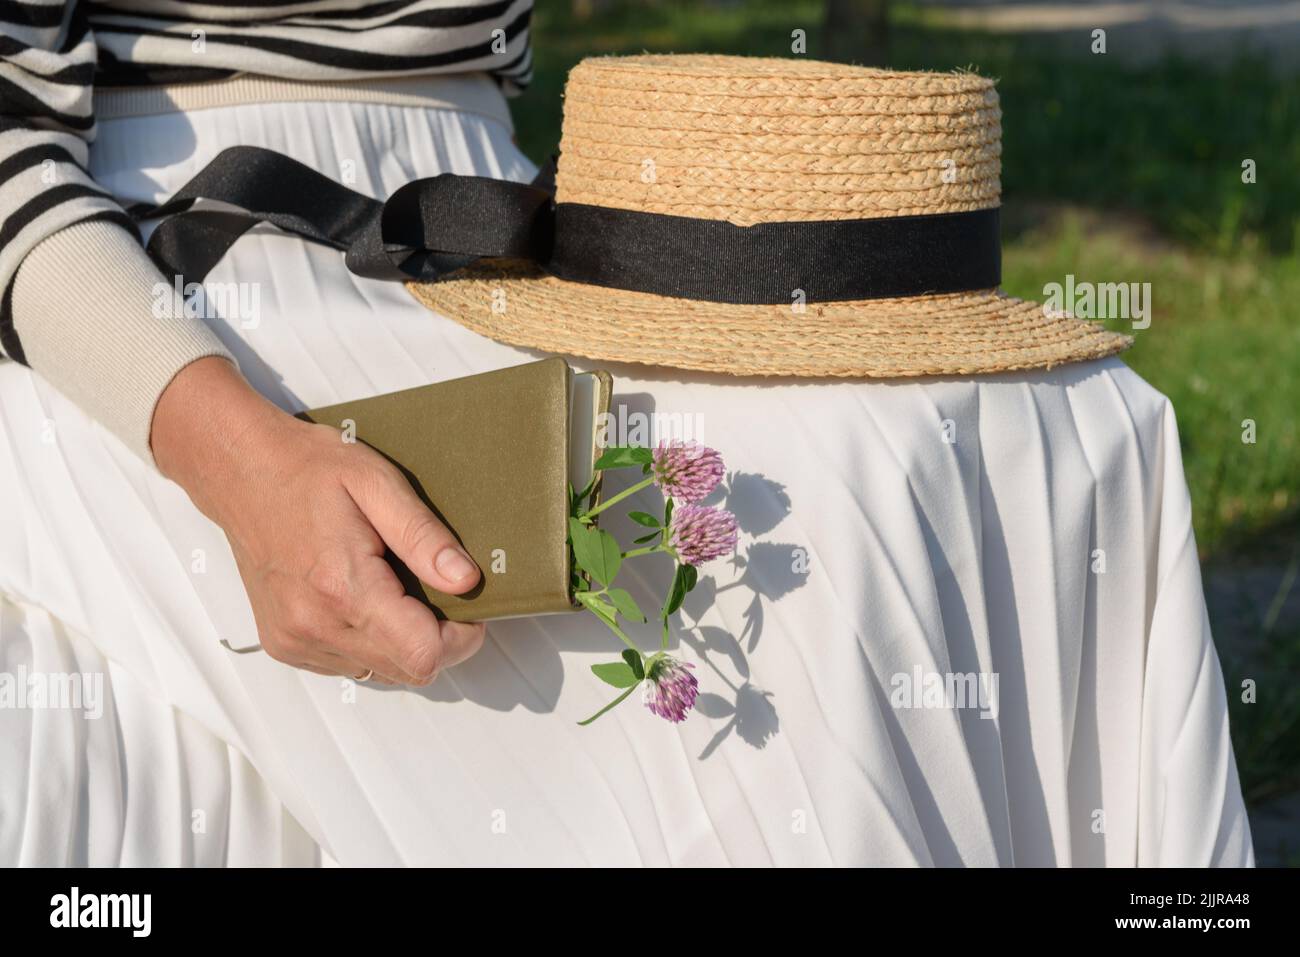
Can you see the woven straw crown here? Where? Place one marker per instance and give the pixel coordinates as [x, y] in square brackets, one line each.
[752, 140]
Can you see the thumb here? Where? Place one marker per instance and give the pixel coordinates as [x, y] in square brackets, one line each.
[415, 535]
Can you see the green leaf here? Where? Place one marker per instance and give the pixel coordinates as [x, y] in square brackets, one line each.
[625, 604]
[668, 512]
[635, 662]
[596, 551]
[641, 518]
[620, 674]
[645, 538]
[677, 594]
[578, 539]
[597, 606]
[692, 576]
[622, 456]
[613, 704]
[611, 557]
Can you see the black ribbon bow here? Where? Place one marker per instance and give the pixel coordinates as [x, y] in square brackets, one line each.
[426, 228]
[431, 227]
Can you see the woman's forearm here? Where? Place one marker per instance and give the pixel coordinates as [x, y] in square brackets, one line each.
[98, 321]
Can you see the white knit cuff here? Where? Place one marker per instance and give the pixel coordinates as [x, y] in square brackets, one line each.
[99, 321]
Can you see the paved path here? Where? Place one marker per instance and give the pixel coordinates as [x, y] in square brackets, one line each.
[1214, 31]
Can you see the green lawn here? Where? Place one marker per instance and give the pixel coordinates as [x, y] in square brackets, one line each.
[1112, 173]
[1224, 345]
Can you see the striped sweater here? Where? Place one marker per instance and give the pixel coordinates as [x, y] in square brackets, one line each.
[55, 222]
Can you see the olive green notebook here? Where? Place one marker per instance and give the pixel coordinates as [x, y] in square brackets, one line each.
[493, 456]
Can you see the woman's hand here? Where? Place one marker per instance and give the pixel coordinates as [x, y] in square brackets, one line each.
[307, 516]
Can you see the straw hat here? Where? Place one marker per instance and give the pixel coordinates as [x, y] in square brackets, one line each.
[750, 141]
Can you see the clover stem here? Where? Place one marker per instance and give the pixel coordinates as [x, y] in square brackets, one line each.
[625, 639]
[617, 701]
[647, 550]
[620, 496]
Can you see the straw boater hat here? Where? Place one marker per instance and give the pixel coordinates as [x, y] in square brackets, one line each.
[772, 217]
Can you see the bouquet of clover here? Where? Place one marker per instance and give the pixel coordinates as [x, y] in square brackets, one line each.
[689, 533]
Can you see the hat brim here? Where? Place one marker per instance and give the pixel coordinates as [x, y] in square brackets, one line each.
[958, 334]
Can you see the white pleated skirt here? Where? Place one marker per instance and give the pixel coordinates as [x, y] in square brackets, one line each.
[1031, 531]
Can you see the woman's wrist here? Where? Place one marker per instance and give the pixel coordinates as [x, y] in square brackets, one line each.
[205, 425]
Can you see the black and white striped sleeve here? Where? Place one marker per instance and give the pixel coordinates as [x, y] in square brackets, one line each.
[47, 66]
[77, 287]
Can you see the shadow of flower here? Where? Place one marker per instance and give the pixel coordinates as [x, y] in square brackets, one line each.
[758, 503]
[768, 570]
[753, 717]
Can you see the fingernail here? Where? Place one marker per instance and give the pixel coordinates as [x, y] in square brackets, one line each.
[461, 640]
[454, 565]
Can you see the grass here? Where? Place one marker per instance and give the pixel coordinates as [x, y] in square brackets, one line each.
[1112, 173]
[1224, 345]
[1266, 731]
